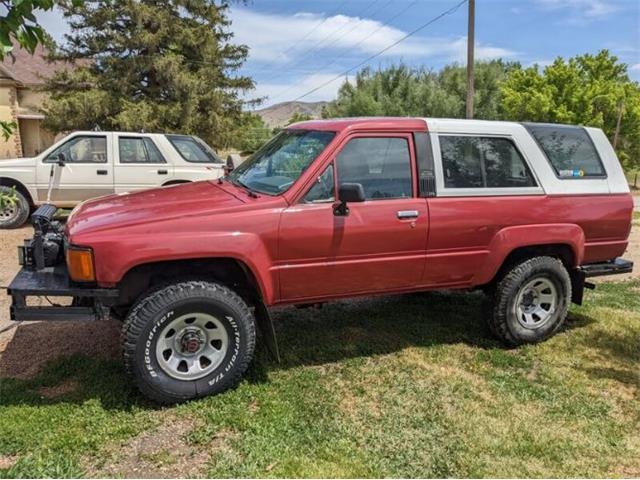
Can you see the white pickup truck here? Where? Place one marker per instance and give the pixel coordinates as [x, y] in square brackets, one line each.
[85, 165]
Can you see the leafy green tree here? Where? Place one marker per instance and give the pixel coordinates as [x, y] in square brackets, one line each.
[402, 91]
[251, 133]
[299, 117]
[150, 65]
[592, 90]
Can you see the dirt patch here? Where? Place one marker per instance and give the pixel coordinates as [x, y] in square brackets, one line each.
[25, 349]
[7, 461]
[161, 453]
[59, 390]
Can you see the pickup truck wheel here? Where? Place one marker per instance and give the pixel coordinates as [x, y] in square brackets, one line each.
[188, 340]
[530, 303]
[16, 214]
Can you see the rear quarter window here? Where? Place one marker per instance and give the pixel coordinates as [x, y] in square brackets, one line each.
[570, 151]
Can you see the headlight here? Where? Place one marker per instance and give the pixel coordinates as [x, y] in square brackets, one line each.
[80, 264]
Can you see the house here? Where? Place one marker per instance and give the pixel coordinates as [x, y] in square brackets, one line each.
[21, 101]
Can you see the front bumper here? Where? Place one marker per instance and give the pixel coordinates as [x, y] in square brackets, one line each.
[89, 303]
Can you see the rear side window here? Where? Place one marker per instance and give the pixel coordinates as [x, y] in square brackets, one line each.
[192, 149]
[570, 150]
[483, 162]
[139, 150]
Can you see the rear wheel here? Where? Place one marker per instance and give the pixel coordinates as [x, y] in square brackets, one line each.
[530, 303]
[188, 340]
[16, 212]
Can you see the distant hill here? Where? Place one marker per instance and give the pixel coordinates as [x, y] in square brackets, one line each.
[279, 114]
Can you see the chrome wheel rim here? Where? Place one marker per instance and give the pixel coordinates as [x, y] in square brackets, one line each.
[192, 346]
[8, 213]
[536, 303]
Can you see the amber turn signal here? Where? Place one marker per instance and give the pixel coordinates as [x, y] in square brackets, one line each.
[80, 264]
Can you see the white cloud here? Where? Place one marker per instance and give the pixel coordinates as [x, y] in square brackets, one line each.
[581, 11]
[278, 38]
[284, 91]
[282, 39]
[635, 67]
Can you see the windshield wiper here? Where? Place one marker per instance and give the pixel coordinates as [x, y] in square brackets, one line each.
[250, 192]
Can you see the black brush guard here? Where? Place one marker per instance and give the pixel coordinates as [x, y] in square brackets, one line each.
[38, 279]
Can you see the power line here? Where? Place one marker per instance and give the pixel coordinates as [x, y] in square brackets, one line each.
[304, 37]
[318, 45]
[385, 24]
[368, 59]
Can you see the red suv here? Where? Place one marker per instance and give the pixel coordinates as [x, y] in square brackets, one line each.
[333, 209]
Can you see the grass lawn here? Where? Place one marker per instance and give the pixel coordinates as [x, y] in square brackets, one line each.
[400, 387]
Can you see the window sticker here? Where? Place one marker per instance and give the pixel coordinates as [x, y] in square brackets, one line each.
[571, 173]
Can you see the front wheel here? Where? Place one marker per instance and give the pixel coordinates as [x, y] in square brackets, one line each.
[530, 303]
[16, 211]
[188, 340]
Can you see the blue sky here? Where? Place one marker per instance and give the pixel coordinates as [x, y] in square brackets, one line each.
[297, 46]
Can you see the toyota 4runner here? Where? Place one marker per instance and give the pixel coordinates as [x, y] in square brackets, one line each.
[333, 209]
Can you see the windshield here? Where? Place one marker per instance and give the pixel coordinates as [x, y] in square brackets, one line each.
[279, 163]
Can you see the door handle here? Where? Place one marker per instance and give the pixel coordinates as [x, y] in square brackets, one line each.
[102, 172]
[162, 172]
[404, 214]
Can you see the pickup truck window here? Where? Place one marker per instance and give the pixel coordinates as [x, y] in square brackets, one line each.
[569, 150]
[192, 149]
[278, 164]
[82, 149]
[382, 165]
[323, 189]
[483, 162]
[139, 150]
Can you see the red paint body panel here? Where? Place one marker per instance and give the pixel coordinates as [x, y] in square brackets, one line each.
[302, 252]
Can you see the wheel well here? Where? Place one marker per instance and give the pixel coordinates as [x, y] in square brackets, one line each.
[10, 182]
[175, 182]
[562, 252]
[228, 271]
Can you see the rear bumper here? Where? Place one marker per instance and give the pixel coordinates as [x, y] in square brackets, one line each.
[55, 282]
[613, 267]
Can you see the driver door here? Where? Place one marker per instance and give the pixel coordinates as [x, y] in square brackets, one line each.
[379, 246]
[87, 173]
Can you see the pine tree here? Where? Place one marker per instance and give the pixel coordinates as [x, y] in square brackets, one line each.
[149, 65]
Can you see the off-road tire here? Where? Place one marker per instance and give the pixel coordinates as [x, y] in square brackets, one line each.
[157, 309]
[500, 309]
[22, 210]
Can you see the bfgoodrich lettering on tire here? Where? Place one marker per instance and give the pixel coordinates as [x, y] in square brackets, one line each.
[188, 340]
[530, 303]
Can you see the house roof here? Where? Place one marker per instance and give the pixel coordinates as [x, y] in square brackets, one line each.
[30, 69]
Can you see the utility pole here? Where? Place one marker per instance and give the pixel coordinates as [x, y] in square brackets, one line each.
[616, 134]
[470, 54]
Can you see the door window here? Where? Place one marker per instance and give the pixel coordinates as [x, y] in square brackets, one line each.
[382, 165]
[139, 150]
[323, 190]
[82, 149]
[483, 162]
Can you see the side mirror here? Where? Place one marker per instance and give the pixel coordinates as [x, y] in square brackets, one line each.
[61, 160]
[347, 193]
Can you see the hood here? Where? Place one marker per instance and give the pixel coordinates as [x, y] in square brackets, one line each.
[14, 163]
[146, 206]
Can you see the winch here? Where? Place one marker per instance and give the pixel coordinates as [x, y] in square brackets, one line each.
[46, 248]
